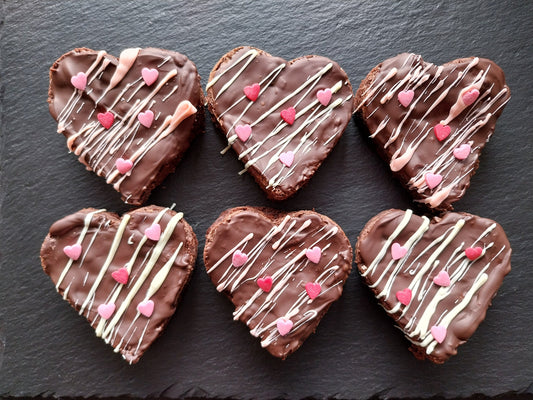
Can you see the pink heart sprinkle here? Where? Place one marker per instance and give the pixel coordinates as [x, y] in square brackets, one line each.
[106, 310]
[398, 251]
[73, 252]
[432, 180]
[146, 118]
[79, 81]
[442, 279]
[239, 258]
[313, 289]
[121, 275]
[442, 131]
[106, 119]
[123, 166]
[314, 254]
[153, 232]
[149, 75]
[324, 96]
[284, 326]
[462, 152]
[265, 283]
[288, 115]
[287, 158]
[243, 132]
[470, 96]
[146, 308]
[473, 252]
[252, 91]
[404, 296]
[438, 332]
[405, 97]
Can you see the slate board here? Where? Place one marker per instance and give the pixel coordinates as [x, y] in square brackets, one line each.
[356, 352]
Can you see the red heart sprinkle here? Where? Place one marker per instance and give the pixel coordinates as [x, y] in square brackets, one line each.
[313, 289]
[252, 92]
[473, 252]
[265, 283]
[106, 119]
[288, 115]
[121, 275]
[442, 131]
[404, 296]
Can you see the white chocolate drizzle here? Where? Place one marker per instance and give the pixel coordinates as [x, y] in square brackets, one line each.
[476, 116]
[426, 296]
[311, 116]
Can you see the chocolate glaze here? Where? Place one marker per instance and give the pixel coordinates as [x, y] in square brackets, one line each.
[295, 73]
[497, 251]
[162, 158]
[234, 225]
[131, 336]
[419, 125]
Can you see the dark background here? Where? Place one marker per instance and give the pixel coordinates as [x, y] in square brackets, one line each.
[356, 352]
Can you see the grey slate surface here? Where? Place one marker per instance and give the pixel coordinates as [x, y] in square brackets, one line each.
[356, 352]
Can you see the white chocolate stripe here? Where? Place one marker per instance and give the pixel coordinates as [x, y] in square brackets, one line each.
[155, 285]
[107, 262]
[405, 220]
[129, 265]
[417, 330]
[87, 222]
[165, 236]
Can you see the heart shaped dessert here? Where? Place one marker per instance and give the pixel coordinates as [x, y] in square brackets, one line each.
[437, 277]
[130, 120]
[431, 122]
[282, 271]
[281, 118]
[125, 275]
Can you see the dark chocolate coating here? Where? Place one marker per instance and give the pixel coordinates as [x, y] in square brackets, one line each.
[83, 272]
[162, 158]
[421, 120]
[235, 224]
[293, 75]
[497, 253]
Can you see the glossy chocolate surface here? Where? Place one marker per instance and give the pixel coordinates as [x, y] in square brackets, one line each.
[459, 307]
[155, 150]
[276, 244]
[284, 84]
[404, 134]
[133, 333]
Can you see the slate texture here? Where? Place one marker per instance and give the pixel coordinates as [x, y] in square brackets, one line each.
[356, 352]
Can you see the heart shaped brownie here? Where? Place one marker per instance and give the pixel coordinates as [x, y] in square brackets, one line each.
[282, 271]
[131, 119]
[124, 275]
[437, 277]
[431, 122]
[281, 118]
